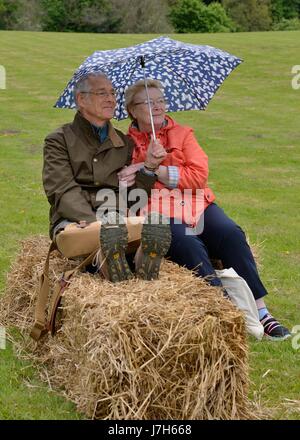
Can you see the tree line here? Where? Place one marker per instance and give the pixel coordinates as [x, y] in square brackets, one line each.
[150, 16]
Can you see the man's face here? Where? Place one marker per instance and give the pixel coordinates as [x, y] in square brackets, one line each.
[98, 104]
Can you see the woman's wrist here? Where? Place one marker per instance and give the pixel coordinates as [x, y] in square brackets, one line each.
[150, 167]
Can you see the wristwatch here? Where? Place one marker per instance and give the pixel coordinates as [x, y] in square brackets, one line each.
[148, 172]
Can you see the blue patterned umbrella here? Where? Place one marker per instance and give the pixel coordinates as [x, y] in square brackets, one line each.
[191, 74]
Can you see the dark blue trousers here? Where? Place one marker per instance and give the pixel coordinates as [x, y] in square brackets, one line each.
[221, 239]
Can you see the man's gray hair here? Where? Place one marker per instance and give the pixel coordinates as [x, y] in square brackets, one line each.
[83, 85]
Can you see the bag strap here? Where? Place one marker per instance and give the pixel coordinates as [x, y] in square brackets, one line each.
[61, 286]
[40, 328]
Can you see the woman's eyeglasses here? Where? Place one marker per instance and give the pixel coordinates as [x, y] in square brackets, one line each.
[159, 101]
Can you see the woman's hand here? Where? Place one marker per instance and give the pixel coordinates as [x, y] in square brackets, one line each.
[155, 154]
[127, 174]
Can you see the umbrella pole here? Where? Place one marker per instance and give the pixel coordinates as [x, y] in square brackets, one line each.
[148, 99]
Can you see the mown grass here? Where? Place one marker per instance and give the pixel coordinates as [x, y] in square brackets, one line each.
[251, 134]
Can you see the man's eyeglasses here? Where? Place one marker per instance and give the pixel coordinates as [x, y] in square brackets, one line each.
[103, 95]
[159, 101]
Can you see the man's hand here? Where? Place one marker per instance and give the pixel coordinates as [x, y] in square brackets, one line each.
[155, 155]
[127, 174]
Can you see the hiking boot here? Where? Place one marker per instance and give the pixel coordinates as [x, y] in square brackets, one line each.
[113, 242]
[155, 243]
[273, 329]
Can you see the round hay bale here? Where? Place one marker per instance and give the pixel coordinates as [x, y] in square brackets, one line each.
[173, 348]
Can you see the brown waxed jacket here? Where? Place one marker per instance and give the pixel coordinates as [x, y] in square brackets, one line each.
[77, 165]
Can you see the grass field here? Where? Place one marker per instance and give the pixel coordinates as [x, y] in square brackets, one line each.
[251, 132]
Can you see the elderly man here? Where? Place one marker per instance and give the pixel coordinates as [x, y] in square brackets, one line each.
[85, 156]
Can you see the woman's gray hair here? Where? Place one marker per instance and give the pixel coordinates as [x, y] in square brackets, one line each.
[136, 88]
[83, 85]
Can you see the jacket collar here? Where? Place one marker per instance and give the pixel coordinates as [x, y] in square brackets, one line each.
[86, 127]
[135, 133]
[114, 137]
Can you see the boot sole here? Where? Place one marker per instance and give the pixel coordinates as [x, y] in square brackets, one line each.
[113, 239]
[155, 241]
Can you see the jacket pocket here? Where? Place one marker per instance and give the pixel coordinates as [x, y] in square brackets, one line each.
[175, 157]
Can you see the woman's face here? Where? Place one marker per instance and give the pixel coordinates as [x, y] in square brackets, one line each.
[140, 109]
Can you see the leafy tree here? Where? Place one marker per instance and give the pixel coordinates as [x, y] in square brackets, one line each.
[208, 2]
[28, 16]
[249, 15]
[219, 20]
[291, 24]
[285, 9]
[185, 15]
[8, 12]
[77, 16]
[195, 16]
[142, 16]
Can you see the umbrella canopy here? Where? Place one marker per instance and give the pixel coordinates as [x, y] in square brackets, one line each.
[191, 74]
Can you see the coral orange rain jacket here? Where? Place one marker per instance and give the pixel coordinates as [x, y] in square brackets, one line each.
[185, 153]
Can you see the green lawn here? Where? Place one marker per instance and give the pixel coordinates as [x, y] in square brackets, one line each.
[251, 134]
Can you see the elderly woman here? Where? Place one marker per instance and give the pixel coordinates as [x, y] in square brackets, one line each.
[185, 166]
